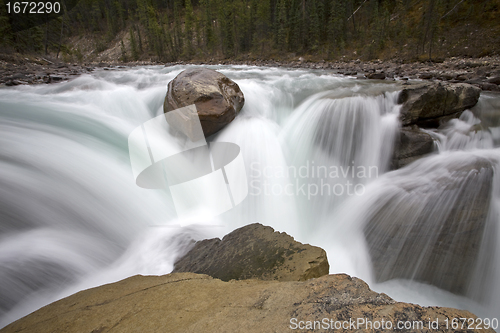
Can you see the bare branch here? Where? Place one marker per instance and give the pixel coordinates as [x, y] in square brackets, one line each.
[357, 10]
[452, 9]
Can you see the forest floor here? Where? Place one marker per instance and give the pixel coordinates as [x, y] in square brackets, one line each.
[483, 72]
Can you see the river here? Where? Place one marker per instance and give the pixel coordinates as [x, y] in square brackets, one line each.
[317, 150]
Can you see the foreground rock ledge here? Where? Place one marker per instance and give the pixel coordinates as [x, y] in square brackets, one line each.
[255, 252]
[218, 99]
[187, 302]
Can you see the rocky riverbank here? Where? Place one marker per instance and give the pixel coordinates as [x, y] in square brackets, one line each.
[17, 70]
[481, 72]
[189, 302]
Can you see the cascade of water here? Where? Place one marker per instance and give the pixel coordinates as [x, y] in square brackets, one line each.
[465, 133]
[340, 144]
[67, 206]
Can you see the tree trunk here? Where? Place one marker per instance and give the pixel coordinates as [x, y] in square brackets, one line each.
[60, 38]
[46, 36]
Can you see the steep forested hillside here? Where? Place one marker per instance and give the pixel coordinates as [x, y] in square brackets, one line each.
[171, 30]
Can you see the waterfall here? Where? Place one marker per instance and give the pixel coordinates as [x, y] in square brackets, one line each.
[317, 150]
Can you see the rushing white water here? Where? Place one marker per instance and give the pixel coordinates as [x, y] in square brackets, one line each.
[317, 151]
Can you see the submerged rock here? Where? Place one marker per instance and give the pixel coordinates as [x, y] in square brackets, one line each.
[218, 99]
[430, 229]
[255, 252]
[187, 302]
[413, 144]
[428, 104]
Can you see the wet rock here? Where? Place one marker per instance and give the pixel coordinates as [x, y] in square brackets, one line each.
[217, 98]
[494, 80]
[18, 76]
[426, 76]
[187, 302]
[11, 83]
[428, 104]
[489, 86]
[445, 77]
[255, 252]
[431, 230]
[376, 76]
[412, 145]
[475, 81]
[482, 72]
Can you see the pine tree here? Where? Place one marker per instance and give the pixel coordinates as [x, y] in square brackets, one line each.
[294, 26]
[197, 28]
[124, 52]
[133, 45]
[140, 40]
[109, 23]
[177, 30]
[120, 13]
[5, 29]
[225, 18]
[313, 26]
[336, 29]
[209, 35]
[188, 28]
[245, 25]
[281, 23]
[262, 25]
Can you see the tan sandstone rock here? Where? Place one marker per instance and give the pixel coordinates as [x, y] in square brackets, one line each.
[187, 302]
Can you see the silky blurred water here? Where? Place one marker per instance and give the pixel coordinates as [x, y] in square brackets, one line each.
[71, 216]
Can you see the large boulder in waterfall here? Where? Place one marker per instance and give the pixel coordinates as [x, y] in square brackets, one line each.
[255, 252]
[187, 302]
[428, 104]
[429, 224]
[218, 99]
[412, 144]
